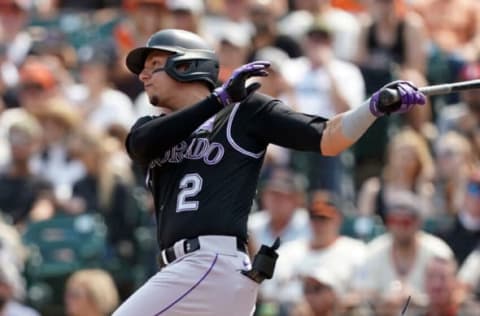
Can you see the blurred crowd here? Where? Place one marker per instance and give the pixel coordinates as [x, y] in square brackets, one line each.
[393, 221]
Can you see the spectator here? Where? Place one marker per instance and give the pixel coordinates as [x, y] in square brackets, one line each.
[453, 28]
[409, 166]
[103, 108]
[37, 85]
[321, 292]
[142, 18]
[345, 26]
[389, 39]
[11, 291]
[443, 290]
[395, 262]
[13, 22]
[90, 292]
[318, 91]
[53, 162]
[464, 234]
[22, 193]
[106, 190]
[454, 162]
[264, 19]
[282, 214]
[464, 117]
[388, 49]
[325, 247]
[187, 15]
[233, 48]
[11, 246]
[469, 275]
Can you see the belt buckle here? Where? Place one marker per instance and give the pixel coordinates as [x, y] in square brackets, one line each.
[191, 245]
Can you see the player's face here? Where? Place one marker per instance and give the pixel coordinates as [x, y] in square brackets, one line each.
[158, 85]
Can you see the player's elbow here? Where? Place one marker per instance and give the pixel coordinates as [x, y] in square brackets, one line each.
[136, 147]
[330, 151]
[333, 142]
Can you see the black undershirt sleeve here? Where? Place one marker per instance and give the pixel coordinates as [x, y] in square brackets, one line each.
[150, 137]
[276, 123]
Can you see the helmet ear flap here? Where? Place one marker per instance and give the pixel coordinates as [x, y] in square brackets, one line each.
[190, 67]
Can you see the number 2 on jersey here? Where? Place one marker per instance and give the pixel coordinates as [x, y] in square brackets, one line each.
[190, 185]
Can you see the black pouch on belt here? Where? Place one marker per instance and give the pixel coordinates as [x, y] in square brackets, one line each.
[264, 263]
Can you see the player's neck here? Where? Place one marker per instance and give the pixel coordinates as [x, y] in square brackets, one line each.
[188, 97]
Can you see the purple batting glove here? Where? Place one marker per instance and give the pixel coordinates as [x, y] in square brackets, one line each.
[409, 97]
[234, 89]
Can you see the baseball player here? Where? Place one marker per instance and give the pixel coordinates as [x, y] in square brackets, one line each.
[203, 161]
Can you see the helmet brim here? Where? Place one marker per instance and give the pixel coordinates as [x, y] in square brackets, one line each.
[136, 58]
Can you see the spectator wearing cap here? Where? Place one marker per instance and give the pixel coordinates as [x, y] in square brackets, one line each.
[322, 290]
[325, 247]
[53, 162]
[37, 85]
[394, 267]
[464, 235]
[281, 209]
[187, 15]
[317, 80]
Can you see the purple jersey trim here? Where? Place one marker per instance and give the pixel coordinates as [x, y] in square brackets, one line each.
[189, 290]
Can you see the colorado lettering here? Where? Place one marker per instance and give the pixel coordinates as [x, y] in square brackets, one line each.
[199, 148]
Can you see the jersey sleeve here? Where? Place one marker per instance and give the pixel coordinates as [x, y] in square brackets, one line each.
[141, 121]
[271, 121]
[150, 137]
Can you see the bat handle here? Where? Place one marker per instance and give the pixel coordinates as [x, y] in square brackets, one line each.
[388, 97]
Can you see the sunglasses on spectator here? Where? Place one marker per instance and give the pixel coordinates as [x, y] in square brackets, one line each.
[403, 221]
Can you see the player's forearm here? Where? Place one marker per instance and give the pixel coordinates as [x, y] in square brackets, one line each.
[150, 140]
[344, 129]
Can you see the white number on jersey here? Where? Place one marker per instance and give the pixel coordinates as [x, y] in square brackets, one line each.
[189, 186]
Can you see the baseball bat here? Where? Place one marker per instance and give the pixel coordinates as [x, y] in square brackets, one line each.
[390, 96]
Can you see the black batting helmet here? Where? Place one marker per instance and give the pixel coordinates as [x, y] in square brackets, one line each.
[188, 49]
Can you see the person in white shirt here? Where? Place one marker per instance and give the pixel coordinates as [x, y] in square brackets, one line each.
[395, 263]
[326, 247]
[318, 80]
[282, 213]
[103, 107]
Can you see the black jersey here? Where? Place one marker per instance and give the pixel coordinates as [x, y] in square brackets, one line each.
[204, 184]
